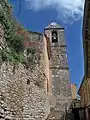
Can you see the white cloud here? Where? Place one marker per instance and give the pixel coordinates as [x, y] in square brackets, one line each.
[69, 10]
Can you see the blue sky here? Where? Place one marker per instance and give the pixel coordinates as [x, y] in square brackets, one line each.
[35, 15]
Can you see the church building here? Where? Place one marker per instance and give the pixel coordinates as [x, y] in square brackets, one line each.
[57, 71]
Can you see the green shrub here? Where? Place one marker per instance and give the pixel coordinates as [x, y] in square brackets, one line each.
[14, 39]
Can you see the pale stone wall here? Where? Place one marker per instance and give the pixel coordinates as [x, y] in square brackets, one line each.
[74, 91]
[61, 87]
[58, 58]
[84, 92]
[46, 66]
[22, 101]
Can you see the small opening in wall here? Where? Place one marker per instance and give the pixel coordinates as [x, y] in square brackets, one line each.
[2, 97]
[28, 81]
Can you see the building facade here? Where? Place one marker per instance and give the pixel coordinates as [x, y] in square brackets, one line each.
[84, 90]
[74, 91]
[59, 83]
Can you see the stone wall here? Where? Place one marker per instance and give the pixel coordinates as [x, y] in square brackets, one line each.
[35, 36]
[61, 88]
[58, 57]
[22, 99]
[61, 41]
[21, 94]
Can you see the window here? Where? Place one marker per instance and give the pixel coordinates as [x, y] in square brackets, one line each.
[86, 33]
[54, 37]
[74, 104]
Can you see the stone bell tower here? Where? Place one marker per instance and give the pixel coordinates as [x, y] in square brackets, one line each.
[60, 72]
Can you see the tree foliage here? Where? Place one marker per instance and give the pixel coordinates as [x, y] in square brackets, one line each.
[15, 36]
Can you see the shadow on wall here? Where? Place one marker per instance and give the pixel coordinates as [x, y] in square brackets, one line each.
[71, 114]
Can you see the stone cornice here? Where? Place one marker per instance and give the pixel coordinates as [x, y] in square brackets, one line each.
[62, 68]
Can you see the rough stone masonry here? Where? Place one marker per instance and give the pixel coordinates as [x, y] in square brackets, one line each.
[61, 89]
[20, 96]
